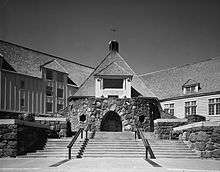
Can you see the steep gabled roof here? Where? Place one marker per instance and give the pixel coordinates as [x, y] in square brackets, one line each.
[113, 64]
[27, 61]
[190, 82]
[168, 83]
[113, 69]
[54, 65]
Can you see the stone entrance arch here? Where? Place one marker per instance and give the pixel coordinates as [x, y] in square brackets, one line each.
[111, 121]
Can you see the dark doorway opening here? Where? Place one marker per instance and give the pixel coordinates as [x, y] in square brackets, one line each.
[111, 122]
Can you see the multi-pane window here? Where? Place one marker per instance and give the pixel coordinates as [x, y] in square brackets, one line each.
[112, 83]
[59, 106]
[49, 106]
[190, 89]
[60, 77]
[22, 99]
[214, 106]
[22, 84]
[49, 75]
[59, 92]
[190, 108]
[169, 108]
[49, 91]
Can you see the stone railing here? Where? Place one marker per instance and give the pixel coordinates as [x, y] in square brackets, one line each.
[203, 137]
[18, 137]
[163, 127]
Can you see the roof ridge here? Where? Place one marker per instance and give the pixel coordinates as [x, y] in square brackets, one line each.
[94, 70]
[177, 67]
[56, 57]
[60, 65]
[135, 74]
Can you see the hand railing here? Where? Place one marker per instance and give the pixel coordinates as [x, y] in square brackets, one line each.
[80, 131]
[140, 135]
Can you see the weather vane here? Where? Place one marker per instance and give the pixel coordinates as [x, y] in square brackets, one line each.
[114, 30]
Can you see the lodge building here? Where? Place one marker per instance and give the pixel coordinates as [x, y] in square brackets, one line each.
[39, 83]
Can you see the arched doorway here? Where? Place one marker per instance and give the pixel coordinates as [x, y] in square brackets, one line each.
[111, 122]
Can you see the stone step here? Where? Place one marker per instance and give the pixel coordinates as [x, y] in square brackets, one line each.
[142, 152]
[52, 153]
[46, 156]
[57, 150]
[138, 150]
[139, 156]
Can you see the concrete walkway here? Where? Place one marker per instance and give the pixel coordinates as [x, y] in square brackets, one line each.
[108, 164]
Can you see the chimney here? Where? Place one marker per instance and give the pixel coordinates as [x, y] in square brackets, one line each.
[114, 46]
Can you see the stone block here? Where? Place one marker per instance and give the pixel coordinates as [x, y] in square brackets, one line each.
[10, 136]
[200, 146]
[209, 146]
[2, 145]
[10, 152]
[202, 136]
[207, 154]
[12, 144]
[215, 136]
[192, 145]
[192, 137]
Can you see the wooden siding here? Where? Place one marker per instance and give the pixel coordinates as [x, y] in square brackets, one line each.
[11, 92]
[34, 91]
[202, 106]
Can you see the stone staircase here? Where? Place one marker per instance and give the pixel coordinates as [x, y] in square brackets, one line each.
[169, 148]
[116, 145]
[123, 144]
[56, 148]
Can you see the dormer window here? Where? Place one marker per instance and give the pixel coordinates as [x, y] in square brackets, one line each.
[49, 75]
[60, 77]
[191, 89]
[190, 86]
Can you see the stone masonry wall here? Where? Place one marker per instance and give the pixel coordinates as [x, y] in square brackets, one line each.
[163, 127]
[205, 140]
[16, 139]
[128, 109]
[8, 140]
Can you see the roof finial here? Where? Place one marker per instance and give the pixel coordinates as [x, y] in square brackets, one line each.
[114, 31]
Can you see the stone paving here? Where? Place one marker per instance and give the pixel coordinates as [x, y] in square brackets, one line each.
[109, 164]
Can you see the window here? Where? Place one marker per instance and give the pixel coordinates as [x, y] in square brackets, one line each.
[49, 91]
[169, 108]
[22, 84]
[113, 83]
[59, 93]
[60, 77]
[59, 106]
[214, 106]
[49, 75]
[190, 89]
[49, 106]
[22, 99]
[190, 108]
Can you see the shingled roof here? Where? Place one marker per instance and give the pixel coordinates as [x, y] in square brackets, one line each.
[27, 61]
[54, 65]
[113, 64]
[167, 84]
